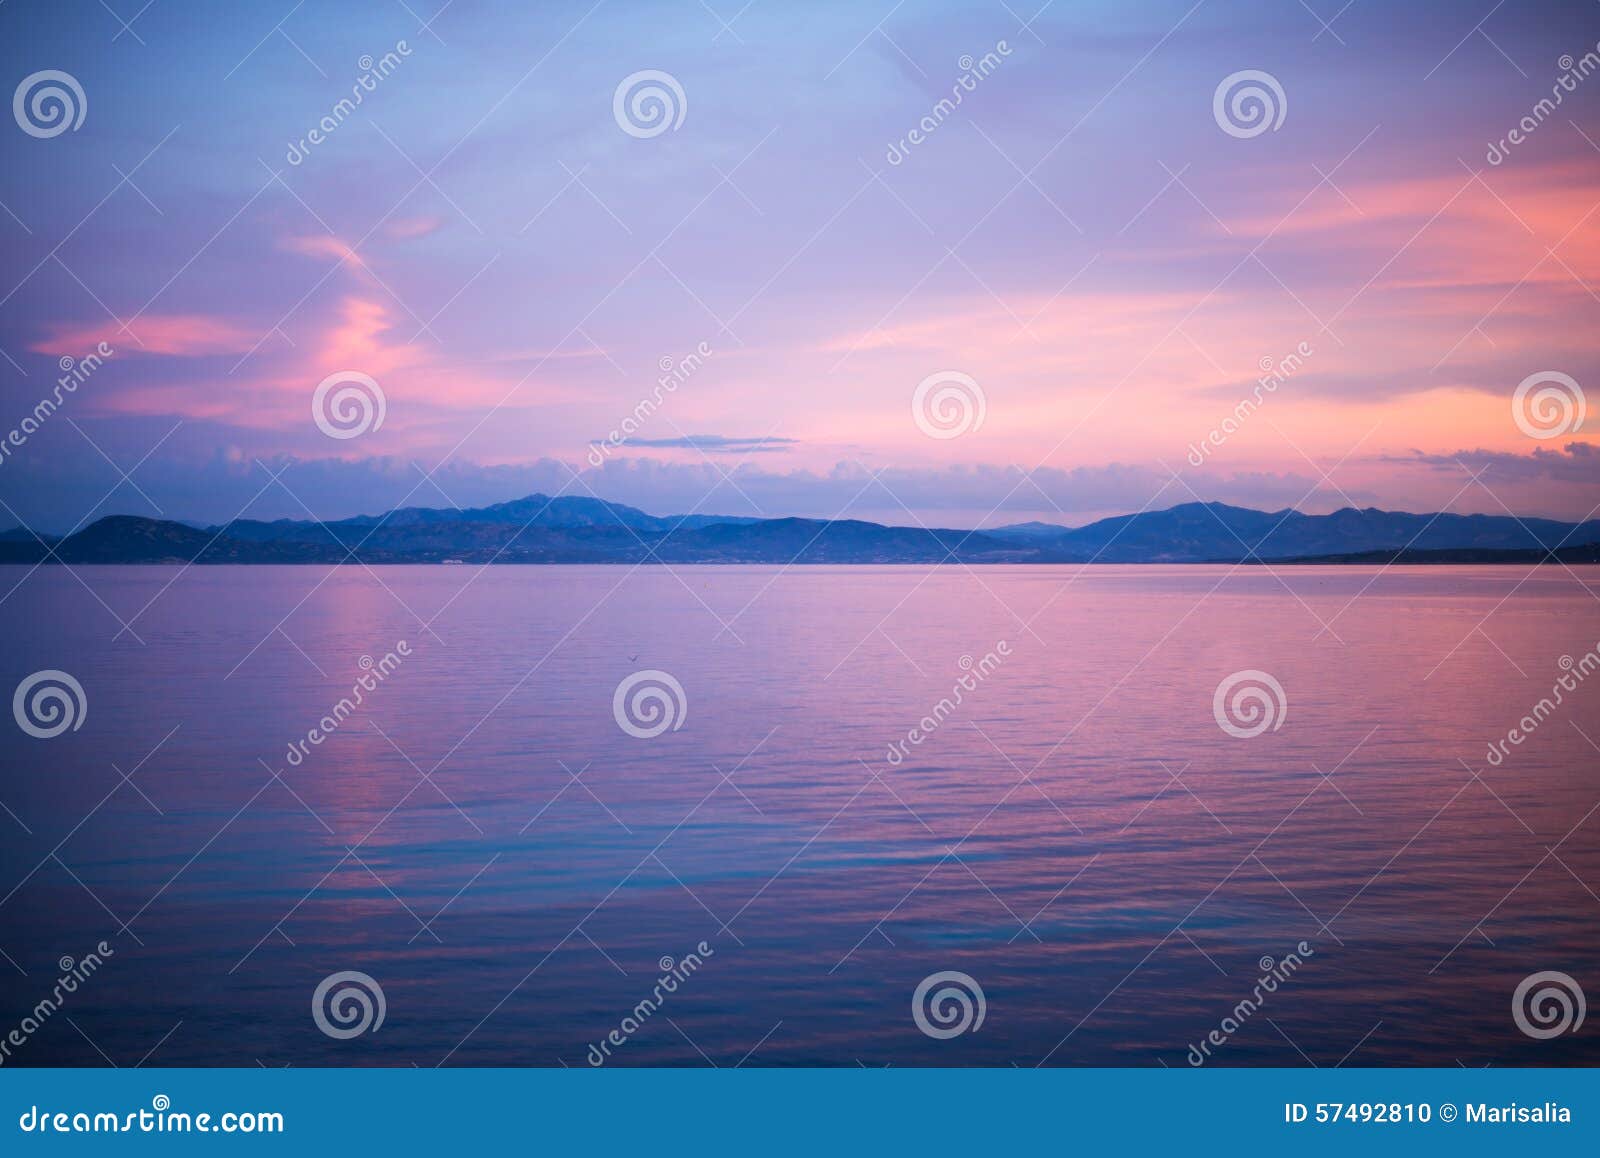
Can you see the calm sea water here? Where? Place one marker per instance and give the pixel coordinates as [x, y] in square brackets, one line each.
[1079, 836]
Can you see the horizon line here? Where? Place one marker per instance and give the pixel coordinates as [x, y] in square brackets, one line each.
[681, 518]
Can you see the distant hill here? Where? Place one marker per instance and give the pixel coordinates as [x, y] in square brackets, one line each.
[534, 510]
[1198, 532]
[538, 529]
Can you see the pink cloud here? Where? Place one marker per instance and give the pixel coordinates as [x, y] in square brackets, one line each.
[175, 335]
[359, 339]
[407, 228]
[271, 391]
[325, 246]
[1486, 228]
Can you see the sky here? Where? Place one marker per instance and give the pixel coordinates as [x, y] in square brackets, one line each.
[1040, 302]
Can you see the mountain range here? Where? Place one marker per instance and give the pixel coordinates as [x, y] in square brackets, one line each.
[539, 529]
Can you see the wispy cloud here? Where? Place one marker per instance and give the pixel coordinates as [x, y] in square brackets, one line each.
[172, 335]
[718, 443]
[1577, 462]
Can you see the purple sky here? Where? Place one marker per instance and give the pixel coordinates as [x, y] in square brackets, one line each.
[1081, 244]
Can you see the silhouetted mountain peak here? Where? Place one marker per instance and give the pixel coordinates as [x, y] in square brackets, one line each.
[582, 529]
